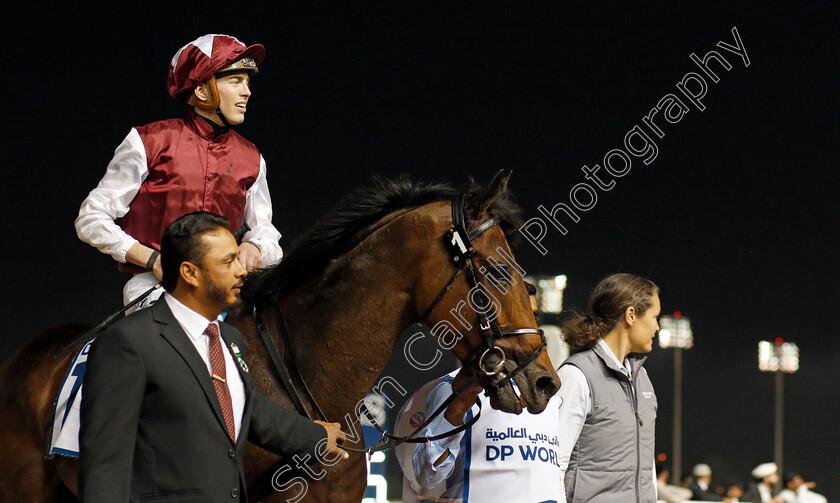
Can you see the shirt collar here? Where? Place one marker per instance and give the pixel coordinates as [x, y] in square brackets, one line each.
[193, 323]
[204, 127]
[217, 129]
[624, 367]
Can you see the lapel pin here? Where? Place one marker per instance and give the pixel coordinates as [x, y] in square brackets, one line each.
[238, 356]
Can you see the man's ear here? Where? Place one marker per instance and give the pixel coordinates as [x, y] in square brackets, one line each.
[190, 274]
[630, 316]
[202, 93]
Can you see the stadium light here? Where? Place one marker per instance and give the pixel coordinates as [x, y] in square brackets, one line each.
[675, 332]
[550, 303]
[781, 358]
[778, 356]
[550, 293]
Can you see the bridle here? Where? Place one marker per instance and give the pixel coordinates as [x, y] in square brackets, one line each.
[459, 244]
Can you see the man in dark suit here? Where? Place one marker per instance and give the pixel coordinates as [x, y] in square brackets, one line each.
[168, 402]
[701, 489]
[762, 488]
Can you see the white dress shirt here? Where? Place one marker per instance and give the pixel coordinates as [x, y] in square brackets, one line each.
[802, 495]
[764, 492]
[426, 472]
[194, 325]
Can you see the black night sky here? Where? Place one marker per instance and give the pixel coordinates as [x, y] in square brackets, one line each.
[733, 218]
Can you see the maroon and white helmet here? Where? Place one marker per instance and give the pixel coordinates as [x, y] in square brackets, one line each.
[200, 60]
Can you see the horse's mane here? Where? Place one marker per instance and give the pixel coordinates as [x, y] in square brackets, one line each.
[339, 230]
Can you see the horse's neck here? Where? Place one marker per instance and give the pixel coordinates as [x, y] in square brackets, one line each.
[348, 320]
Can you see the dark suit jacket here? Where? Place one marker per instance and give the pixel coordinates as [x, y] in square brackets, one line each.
[698, 493]
[152, 428]
[752, 494]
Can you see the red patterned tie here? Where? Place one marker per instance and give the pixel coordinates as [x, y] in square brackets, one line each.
[219, 376]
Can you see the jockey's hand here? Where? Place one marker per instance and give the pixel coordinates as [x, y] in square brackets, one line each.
[249, 256]
[334, 438]
[139, 254]
[157, 270]
[458, 408]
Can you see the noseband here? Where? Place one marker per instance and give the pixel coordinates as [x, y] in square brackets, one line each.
[459, 244]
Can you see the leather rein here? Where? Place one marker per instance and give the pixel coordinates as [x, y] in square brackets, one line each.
[459, 244]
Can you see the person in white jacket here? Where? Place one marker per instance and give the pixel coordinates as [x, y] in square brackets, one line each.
[665, 491]
[501, 458]
[798, 491]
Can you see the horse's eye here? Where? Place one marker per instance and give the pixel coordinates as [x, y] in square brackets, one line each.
[501, 273]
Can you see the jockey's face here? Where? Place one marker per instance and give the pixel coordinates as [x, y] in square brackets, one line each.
[234, 92]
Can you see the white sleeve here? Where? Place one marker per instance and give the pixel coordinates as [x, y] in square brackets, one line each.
[653, 461]
[575, 405]
[258, 213]
[111, 198]
[655, 485]
[806, 496]
[425, 454]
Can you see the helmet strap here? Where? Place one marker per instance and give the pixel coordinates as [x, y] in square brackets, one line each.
[222, 117]
[214, 102]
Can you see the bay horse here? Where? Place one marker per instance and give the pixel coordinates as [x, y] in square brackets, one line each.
[347, 289]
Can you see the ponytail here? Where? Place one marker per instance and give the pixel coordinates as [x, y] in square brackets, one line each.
[607, 305]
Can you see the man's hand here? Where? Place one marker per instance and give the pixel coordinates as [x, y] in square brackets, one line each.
[250, 256]
[334, 438]
[458, 408]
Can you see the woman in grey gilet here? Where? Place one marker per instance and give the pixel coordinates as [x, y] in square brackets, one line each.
[608, 407]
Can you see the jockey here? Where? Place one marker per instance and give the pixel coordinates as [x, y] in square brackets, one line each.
[172, 167]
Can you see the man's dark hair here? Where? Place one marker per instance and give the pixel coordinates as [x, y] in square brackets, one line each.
[181, 242]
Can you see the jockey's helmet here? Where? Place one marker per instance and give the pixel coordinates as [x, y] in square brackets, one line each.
[205, 57]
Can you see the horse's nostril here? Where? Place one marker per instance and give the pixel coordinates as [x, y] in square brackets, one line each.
[547, 385]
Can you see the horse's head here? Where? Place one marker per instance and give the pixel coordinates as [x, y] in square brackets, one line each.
[483, 313]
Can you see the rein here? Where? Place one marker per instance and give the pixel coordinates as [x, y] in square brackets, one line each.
[107, 322]
[459, 244]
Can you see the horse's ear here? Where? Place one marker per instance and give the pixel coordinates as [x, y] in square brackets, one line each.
[478, 204]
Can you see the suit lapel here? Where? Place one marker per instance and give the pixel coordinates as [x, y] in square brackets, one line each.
[171, 331]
